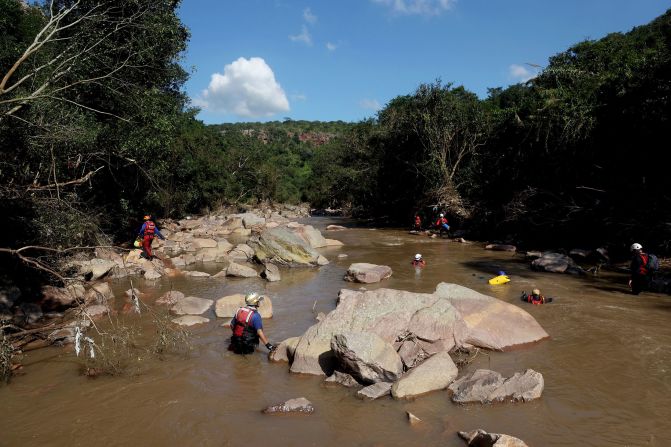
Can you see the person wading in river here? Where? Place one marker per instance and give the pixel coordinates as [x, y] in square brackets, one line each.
[148, 232]
[640, 272]
[248, 328]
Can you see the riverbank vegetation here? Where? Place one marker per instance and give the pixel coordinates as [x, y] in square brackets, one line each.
[95, 131]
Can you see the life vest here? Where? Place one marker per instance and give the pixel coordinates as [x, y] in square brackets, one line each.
[420, 263]
[149, 228]
[242, 327]
[418, 221]
[643, 269]
[531, 299]
[441, 221]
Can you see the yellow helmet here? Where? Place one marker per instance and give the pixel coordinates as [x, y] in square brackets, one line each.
[536, 292]
[253, 299]
[147, 217]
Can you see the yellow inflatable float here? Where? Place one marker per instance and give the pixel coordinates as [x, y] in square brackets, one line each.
[501, 279]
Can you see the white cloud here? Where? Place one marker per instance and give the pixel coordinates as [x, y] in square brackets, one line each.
[304, 36]
[420, 7]
[370, 104]
[520, 73]
[247, 88]
[331, 46]
[309, 17]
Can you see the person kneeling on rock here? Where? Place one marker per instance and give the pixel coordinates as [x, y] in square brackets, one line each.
[248, 328]
[535, 297]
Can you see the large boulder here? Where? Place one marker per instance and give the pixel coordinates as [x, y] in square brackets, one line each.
[100, 293]
[240, 271]
[227, 306]
[367, 273]
[480, 438]
[485, 386]
[453, 316]
[490, 323]
[95, 268]
[554, 263]
[61, 297]
[436, 373]
[366, 357]
[281, 246]
[312, 236]
[250, 220]
[191, 305]
[241, 253]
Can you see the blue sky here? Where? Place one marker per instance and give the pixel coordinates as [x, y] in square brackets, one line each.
[260, 60]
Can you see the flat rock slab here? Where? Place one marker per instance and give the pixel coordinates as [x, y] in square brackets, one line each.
[190, 320]
[374, 391]
[195, 274]
[367, 273]
[191, 305]
[480, 438]
[170, 298]
[298, 405]
[485, 386]
[436, 373]
[335, 228]
[240, 271]
[227, 306]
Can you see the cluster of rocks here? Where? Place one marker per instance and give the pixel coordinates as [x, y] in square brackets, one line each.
[396, 342]
[241, 242]
[249, 244]
[190, 309]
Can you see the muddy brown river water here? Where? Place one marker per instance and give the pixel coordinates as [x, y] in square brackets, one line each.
[607, 367]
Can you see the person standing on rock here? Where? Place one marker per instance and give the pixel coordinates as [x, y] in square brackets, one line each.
[247, 327]
[640, 274]
[148, 232]
[442, 224]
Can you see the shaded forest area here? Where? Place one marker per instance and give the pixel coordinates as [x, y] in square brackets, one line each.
[95, 131]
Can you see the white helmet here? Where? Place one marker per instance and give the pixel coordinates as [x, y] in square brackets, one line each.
[418, 257]
[636, 246]
[442, 215]
[253, 299]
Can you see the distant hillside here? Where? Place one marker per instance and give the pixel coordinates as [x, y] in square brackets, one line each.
[315, 133]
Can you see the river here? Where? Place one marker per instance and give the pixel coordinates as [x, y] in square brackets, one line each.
[606, 366]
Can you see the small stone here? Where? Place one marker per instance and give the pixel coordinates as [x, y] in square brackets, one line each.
[412, 419]
[195, 274]
[298, 405]
[190, 320]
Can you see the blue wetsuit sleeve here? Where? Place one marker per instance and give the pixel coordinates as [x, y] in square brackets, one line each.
[159, 233]
[144, 225]
[256, 321]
